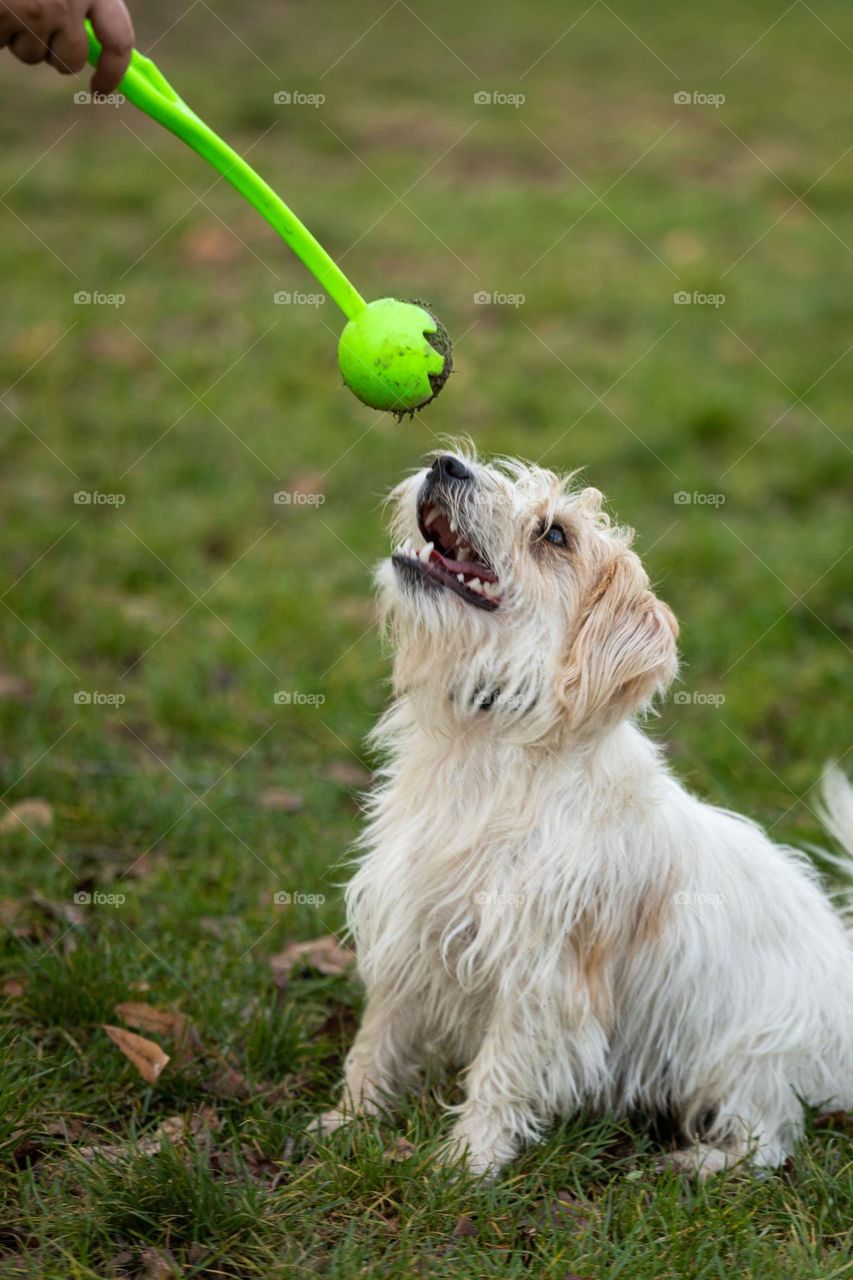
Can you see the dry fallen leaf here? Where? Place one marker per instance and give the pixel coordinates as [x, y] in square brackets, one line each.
[164, 1022]
[28, 814]
[277, 798]
[147, 1056]
[228, 1083]
[172, 1130]
[401, 1150]
[145, 1017]
[325, 954]
[842, 1120]
[157, 1264]
[14, 988]
[65, 912]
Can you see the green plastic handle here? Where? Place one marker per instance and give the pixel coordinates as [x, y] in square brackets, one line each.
[148, 89]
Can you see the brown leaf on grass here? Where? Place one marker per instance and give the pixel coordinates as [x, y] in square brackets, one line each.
[27, 814]
[205, 1119]
[229, 1083]
[68, 915]
[14, 988]
[463, 1227]
[340, 1023]
[401, 1150]
[262, 1170]
[349, 773]
[147, 1056]
[146, 1017]
[13, 687]
[841, 1120]
[69, 1128]
[562, 1213]
[280, 800]
[157, 1264]
[172, 1130]
[325, 954]
[10, 912]
[164, 1022]
[64, 912]
[138, 866]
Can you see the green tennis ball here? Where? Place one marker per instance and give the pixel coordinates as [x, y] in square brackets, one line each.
[395, 355]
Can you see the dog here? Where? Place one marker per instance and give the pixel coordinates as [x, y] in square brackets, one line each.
[537, 900]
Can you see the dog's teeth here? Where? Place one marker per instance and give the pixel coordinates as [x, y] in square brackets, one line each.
[475, 585]
[434, 513]
[460, 577]
[491, 589]
[452, 523]
[425, 552]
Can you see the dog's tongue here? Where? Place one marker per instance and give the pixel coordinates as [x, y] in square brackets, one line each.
[469, 568]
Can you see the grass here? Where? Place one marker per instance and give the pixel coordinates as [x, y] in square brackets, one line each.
[198, 597]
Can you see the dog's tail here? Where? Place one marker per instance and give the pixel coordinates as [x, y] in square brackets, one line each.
[836, 814]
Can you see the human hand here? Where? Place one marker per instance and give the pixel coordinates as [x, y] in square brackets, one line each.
[52, 31]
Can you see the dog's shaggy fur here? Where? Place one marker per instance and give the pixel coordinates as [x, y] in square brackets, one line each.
[539, 900]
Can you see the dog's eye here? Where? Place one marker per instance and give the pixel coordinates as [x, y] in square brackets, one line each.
[556, 535]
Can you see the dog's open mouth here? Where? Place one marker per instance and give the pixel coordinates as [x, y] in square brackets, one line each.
[447, 559]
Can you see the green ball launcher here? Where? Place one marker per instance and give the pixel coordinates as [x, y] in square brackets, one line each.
[394, 355]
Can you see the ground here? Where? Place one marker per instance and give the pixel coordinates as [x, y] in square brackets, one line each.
[147, 631]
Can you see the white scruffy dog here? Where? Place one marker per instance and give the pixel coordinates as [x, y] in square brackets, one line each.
[539, 900]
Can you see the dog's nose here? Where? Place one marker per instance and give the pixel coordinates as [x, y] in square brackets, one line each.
[449, 468]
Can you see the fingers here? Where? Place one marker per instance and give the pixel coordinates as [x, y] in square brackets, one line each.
[27, 27]
[69, 50]
[28, 46]
[114, 29]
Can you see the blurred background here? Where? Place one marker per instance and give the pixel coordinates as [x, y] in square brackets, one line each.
[638, 227]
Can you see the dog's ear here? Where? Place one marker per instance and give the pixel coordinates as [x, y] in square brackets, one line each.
[623, 651]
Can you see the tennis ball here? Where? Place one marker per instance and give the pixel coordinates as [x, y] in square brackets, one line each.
[395, 355]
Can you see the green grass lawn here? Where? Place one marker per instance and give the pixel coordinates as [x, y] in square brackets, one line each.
[182, 605]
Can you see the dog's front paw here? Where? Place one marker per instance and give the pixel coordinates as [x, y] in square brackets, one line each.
[701, 1160]
[478, 1147]
[329, 1122]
